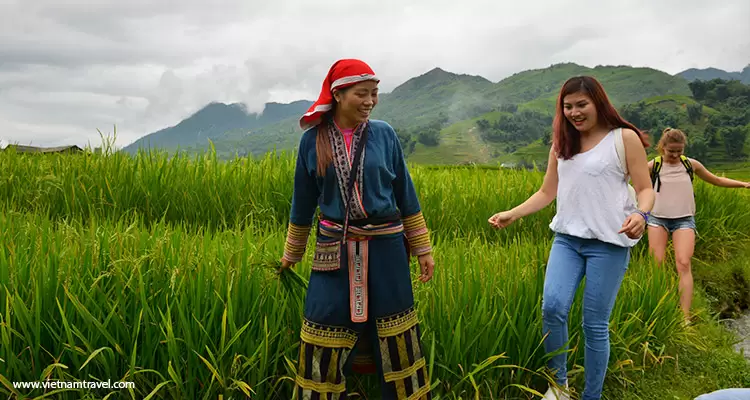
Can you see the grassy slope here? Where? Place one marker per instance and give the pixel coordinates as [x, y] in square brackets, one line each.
[712, 364]
[722, 290]
[696, 372]
[537, 90]
[460, 143]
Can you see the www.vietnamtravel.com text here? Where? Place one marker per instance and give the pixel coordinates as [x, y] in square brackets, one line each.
[50, 384]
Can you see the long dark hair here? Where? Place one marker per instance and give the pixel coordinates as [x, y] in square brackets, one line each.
[322, 142]
[323, 149]
[566, 138]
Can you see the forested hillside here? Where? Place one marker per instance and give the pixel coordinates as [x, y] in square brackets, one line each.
[447, 118]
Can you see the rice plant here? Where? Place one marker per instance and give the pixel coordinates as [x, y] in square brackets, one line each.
[163, 270]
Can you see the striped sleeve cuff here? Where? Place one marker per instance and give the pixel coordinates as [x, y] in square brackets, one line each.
[417, 234]
[296, 242]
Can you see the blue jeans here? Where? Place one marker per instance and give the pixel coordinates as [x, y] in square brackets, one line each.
[726, 394]
[604, 266]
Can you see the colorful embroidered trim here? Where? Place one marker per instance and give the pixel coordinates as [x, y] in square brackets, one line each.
[323, 354]
[335, 231]
[398, 324]
[327, 247]
[326, 336]
[342, 162]
[296, 242]
[325, 350]
[327, 255]
[404, 366]
[358, 262]
[417, 234]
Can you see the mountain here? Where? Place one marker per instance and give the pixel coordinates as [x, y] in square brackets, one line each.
[437, 94]
[707, 74]
[420, 100]
[213, 121]
[623, 84]
[522, 107]
[434, 113]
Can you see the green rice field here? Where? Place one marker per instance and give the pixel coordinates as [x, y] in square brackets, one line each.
[158, 270]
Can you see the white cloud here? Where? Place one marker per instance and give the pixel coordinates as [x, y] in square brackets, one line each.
[67, 70]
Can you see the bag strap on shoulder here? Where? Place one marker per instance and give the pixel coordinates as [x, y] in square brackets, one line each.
[620, 147]
[352, 177]
[655, 181]
[688, 166]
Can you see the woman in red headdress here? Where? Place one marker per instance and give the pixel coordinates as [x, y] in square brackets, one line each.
[359, 309]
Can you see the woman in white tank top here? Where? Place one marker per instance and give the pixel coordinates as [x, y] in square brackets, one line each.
[596, 224]
[674, 209]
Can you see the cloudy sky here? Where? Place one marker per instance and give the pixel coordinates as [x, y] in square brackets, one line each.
[143, 65]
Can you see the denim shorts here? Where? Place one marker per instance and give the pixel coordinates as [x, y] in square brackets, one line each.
[673, 224]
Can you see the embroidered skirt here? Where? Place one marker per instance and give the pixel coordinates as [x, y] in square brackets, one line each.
[359, 317]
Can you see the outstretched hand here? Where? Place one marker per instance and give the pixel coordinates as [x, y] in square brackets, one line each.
[427, 266]
[502, 219]
[633, 226]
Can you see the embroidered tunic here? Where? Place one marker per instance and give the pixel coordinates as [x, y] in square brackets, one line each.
[384, 189]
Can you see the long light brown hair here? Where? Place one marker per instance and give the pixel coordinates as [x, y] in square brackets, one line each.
[671, 135]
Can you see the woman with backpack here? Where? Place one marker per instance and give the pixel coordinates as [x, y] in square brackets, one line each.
[672, 175]
[597, 222]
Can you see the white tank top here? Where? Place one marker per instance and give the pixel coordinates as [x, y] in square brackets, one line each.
[592, 195]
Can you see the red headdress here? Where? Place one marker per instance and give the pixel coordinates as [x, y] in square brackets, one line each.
[343, 73]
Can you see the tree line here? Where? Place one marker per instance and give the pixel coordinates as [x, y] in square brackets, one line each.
[719, 118]
[427, 134]
[721, 115]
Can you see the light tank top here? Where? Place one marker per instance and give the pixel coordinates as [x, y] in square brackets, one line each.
[675, 198]
[592, 195]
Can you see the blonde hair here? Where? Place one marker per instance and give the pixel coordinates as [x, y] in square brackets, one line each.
[671, 135]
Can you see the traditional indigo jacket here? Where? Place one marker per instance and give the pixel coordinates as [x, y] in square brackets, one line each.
[384, 188]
